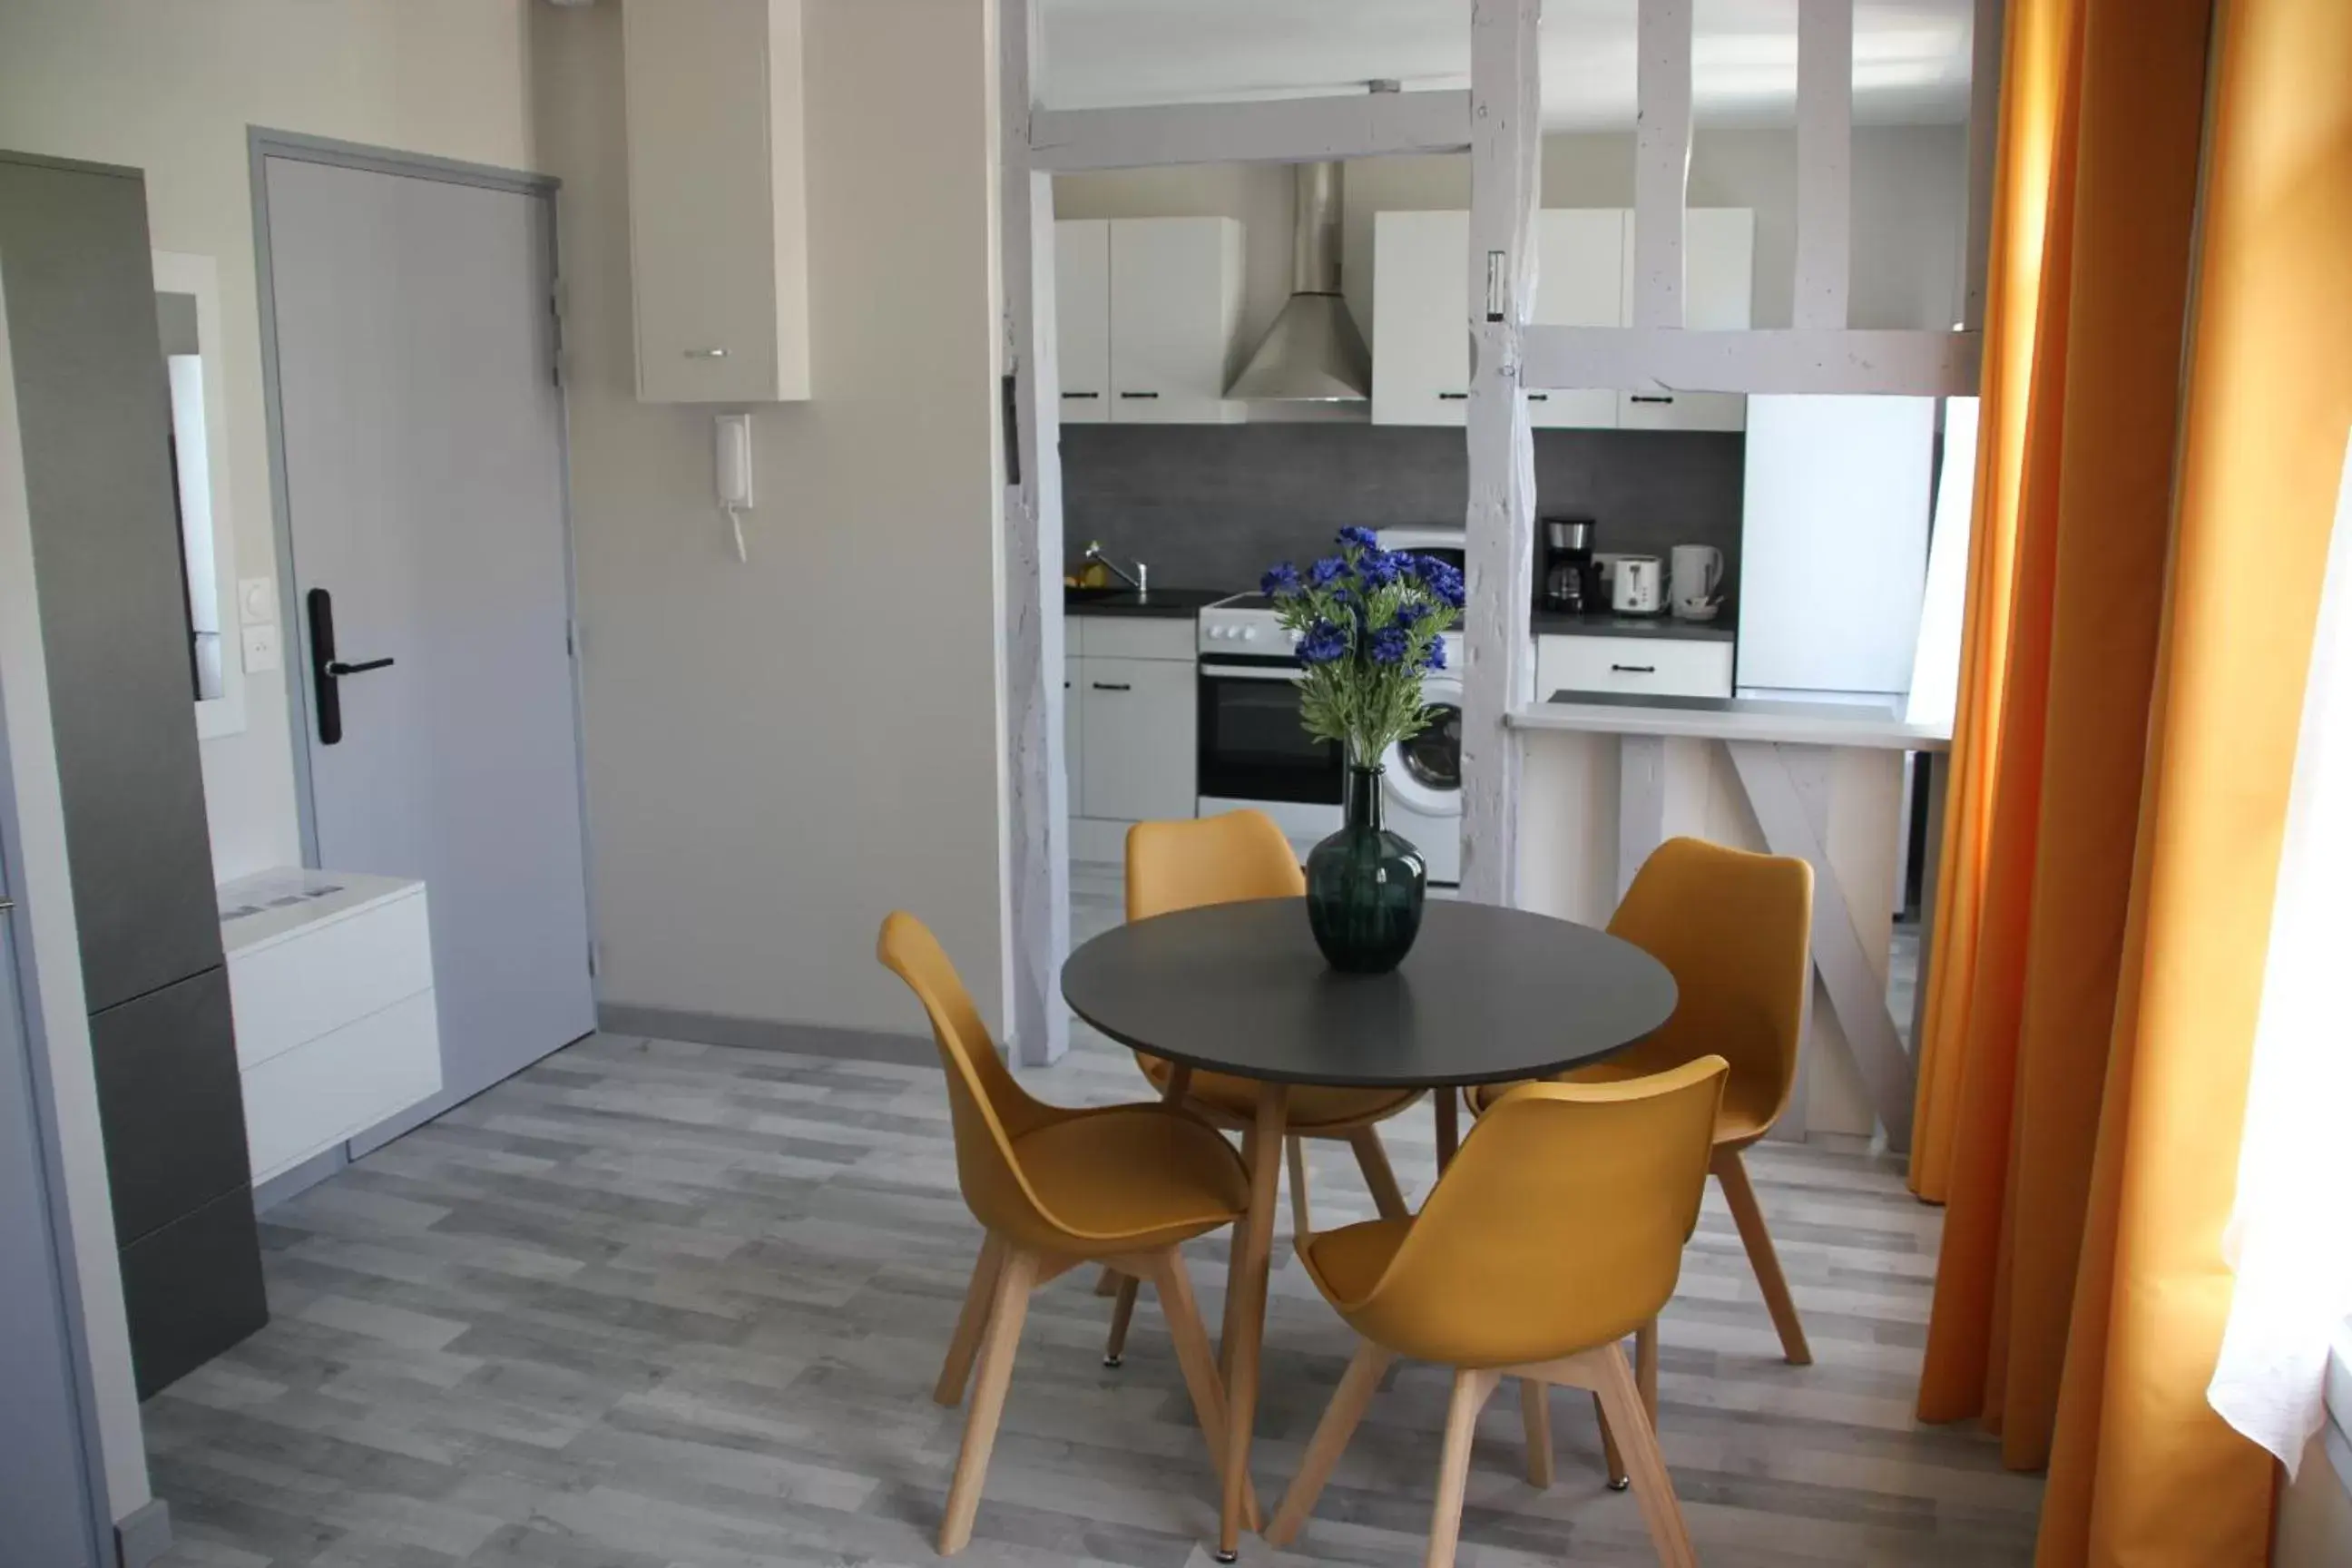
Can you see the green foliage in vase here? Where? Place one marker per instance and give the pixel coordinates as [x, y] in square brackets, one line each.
[1370, 624]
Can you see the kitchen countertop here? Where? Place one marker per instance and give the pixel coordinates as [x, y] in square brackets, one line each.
[1731, 719]
[1553, 624]
[1174, 604]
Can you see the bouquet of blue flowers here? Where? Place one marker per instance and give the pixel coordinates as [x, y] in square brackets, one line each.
[1370, 624]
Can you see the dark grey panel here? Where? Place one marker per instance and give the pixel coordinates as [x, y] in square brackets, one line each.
[1212, 506]
[94, 408]
[192, 1289]
[170, 1102]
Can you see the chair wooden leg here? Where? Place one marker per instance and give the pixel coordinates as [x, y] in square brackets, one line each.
[1535, 1413]
[1610, 1455]
[1107, 1282]
[1645, 1369]
[957, 1369]
[1302, 1224]
[1355, 1392]
[1741, 1194]
[1199, 1364]
[1373, 1159]
[1121, 1315]
[1472, 1387]
[1006, 1313]
[1653, 1489]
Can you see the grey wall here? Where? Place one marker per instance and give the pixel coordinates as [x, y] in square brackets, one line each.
[1212, 506]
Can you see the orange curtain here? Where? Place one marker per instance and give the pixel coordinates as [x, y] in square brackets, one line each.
[2140, 625]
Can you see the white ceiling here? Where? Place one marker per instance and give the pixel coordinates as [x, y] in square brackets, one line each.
[1910, 57]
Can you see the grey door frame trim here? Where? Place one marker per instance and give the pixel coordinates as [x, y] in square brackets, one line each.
[97, 1501]
[261, 145]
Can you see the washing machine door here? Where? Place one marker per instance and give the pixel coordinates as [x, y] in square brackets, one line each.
[1423, 774]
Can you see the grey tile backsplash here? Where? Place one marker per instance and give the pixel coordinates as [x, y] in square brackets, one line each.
[1212, 506]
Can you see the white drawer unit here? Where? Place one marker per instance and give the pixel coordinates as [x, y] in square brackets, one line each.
[331, 978]
[1130, 722]
[1641, 667]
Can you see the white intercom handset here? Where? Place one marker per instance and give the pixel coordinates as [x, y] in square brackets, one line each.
[733, 467]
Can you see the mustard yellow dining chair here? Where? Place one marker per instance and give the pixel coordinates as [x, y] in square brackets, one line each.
[1124, 1185]
[1222, 859]
[1735, 929]
[1557, 1230]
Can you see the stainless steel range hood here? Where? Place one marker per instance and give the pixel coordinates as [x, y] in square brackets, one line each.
[1313, 352]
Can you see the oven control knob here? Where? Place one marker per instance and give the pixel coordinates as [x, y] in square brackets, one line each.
[1250, 633]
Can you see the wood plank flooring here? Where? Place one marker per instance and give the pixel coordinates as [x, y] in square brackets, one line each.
[651, 1304]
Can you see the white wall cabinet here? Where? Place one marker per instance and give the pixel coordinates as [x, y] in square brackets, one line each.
[1718, 288]
[1082, 318]
[1130, 722]
[718, 199]
[1421, 311]
[1146, 314]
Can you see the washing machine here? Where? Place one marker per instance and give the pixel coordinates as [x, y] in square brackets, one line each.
[1421, 782]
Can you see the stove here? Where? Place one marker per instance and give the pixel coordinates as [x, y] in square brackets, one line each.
[1245, 626]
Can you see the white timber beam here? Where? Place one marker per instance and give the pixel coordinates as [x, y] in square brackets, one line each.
[1506, 131]
[1270, 131]
[1638, 359]
[1824, 161]
[1984, 141]
[1856, 992]
[1036, 867]
[1661, 150]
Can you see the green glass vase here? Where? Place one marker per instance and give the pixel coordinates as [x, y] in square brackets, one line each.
[1365, 886]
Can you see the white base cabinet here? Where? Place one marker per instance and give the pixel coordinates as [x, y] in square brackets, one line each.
[1641, 667]
[331, 978]
[1131, 722]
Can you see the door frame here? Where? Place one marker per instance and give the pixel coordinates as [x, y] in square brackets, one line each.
[262, 144]
[24, 974]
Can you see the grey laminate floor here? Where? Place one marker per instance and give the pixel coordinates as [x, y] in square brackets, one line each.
[651, 1304]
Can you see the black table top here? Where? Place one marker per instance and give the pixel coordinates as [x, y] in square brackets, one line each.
[1488, 995]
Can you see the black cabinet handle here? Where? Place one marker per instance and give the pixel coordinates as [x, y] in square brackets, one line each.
[1635, 669]
[1539, 397]
[1111, 686]
[1067, 396]
[1647, 397]
[1138, 395]
[1453, 397]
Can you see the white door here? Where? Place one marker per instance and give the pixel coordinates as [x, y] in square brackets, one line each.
[1718, 285]
[1579, 280]
[1175, 305]
[1082, 318]
[424, 458]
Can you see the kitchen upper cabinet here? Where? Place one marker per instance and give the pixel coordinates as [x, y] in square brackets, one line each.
[1138, 719]
[1082, 318]
[718, 199]
[1147, 312]
[1719, 282]
[1421, 310]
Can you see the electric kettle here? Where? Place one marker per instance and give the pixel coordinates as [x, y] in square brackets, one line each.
[1638, 586]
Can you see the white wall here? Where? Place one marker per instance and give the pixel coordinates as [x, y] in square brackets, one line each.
[170, 89]
[1909, 201]
[779, 752]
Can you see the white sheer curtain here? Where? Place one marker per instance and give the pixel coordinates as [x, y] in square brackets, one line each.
[2290, 1236]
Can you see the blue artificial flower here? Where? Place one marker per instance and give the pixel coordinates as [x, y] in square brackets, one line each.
[1326, 572]
[1280, 582]
[1413, 612]
[1441, 580]
[1323, 644]
[1436, 658]
[1362, 537]
[1379, 569]
[1389, 645]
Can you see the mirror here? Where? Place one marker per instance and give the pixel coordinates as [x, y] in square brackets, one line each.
[187, 316]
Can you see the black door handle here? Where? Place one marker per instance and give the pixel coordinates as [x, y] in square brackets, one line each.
[339, 670]
[326, 696]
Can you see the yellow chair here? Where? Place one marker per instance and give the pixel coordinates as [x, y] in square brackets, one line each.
[1735, 929]
[1123, 1185]
[1228, 858]
[1557, 1230]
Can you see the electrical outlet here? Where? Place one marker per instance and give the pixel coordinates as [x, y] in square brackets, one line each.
[260, 649]
[257, 601]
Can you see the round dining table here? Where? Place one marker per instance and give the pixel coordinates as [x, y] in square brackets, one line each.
[1486, 995]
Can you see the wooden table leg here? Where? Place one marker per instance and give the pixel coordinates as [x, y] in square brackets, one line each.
[1246, 1291]
[1449, 1124]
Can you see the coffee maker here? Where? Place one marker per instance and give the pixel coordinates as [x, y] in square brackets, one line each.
[1572, 578]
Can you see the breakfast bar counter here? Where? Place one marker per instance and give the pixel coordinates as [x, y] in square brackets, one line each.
[1606, 778]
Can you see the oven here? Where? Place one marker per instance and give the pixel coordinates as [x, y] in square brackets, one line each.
[1252, 751]
[1451, 545]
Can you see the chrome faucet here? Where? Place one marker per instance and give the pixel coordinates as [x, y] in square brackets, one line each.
[1140, 579]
